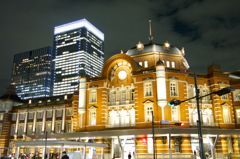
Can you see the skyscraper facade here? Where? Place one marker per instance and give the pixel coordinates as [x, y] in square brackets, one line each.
[78, 49]
[32, 73]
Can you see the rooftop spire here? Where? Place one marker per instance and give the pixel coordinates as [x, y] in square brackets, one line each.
[150, 31]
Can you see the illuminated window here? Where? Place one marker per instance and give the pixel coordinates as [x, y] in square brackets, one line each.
[57, 126]
[59, 113]
[207, 117]
[29, 128]
[173, 88]
[1, 116]
[148, 108]
[39, 115]
[145, 64]
[193, 116]
[20, 129]
[30, 115]
[68, 126]
[168, 63]
[92, 116]
[204, 90]
[68, 112]
[48, 126]
[175, 113]
[140, 63]
[238, 116]
[132, 116]
[226, 114]
[93, 96]
[49, 114]
[38, 128]
[173, 64]
[147, 88]
[236, 95]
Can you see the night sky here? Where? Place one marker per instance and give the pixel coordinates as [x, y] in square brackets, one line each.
[209, 30]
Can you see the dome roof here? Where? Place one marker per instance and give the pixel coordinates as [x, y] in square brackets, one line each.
[152, 47]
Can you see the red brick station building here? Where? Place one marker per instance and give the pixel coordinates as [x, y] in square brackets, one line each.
[111, 115]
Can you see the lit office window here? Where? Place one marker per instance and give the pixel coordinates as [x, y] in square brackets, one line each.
[92, 116]
[148, 108]
[147, 88]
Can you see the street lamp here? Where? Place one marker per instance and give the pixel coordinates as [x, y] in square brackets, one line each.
[220, 92]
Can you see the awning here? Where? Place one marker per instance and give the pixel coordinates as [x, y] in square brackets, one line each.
[57, 143]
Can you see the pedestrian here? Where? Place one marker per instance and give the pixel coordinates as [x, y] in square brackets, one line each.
[129, 156]
[64, 155]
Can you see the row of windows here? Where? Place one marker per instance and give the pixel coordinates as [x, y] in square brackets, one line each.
[169, 64]
[40, 129]
[39, 114]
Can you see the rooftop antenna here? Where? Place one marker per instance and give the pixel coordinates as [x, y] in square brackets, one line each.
[150, 31]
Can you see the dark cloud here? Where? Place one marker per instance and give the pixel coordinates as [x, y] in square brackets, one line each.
[208, 29]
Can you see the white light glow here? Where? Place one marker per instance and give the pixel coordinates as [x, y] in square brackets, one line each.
[79, 24]
[122, 75]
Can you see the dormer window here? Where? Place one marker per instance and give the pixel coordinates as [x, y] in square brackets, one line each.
[173, 64]
[168, 63]
[145, 64]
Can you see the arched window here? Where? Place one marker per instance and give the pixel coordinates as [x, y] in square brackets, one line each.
[207, 117]
[226, 114]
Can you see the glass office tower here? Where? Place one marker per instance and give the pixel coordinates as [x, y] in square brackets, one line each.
[78, 48]
[32, 73]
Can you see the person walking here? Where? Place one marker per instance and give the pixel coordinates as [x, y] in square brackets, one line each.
[129, 156]
[64, 155]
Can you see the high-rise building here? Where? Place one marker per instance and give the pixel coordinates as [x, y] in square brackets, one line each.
[78, 48]
[32, 73]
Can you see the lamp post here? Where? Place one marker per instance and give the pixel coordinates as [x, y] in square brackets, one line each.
[153, 136]
[175, 102]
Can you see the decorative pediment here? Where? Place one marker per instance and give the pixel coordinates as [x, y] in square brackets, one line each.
[148, 101]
